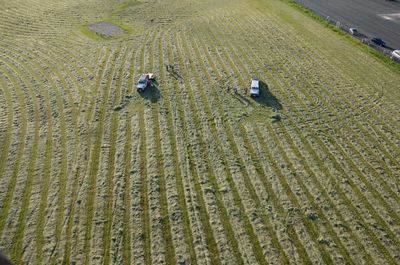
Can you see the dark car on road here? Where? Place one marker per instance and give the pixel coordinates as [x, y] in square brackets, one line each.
[378, 42]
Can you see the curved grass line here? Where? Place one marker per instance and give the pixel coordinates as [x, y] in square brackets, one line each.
[21, 148]
[95, 163]
[376, 195]
[169, 246]
[8, 138]
[103, 58]
[383, 250]
[301, 250]
[238, 200]
[177, 171]
[108, 211]
[202, 139]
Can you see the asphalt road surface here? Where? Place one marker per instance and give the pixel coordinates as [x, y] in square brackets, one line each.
[374, 18]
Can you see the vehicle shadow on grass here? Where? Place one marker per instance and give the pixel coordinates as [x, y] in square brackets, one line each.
[267, 99]
[152, 93]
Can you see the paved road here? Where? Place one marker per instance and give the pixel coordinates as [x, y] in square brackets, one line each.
[374, 18]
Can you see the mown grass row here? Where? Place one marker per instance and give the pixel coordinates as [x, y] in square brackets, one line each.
[80, 169]
[9, 106]
[370, 187]
[169, 247]
[266, 184]
[108, 210]
[47, 166]
[207, 131]
[309, 226]
[225, 160]
[15, 81]
[95, 159]
[60, 88]
[194, 165]
[16, 251]
[171, 150]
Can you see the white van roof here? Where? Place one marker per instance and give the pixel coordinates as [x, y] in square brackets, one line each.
[255, 83]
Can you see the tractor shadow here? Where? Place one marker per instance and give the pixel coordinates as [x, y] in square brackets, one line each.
[267, 99]
[152, 93]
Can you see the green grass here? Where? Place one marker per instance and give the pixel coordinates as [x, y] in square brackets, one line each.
[191, 171]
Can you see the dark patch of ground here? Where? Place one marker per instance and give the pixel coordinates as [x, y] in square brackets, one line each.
[106, 29]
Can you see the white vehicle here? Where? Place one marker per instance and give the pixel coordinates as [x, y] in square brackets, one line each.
[353, 31]
[255, 87]
[145, 81]
[395, 54]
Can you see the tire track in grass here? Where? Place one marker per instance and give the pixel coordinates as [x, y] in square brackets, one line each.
[360, 127]
[169, 248]
[104, 196]
[47, 170]
[382, 201]
[135, 194]
[177, 171]
[309, 172]
[144, 199]
[79, 170]
[9, 127]
[94, 165]
[127, 200]
[127, 255]
[212, 209]
[17, 242]
[144, 202]
[108, 211]
[21, 229]
[346, 77]
[187, 168]
[301, 251]
[159, 237]
[138, 240]
[236, 197]
[126, 242]
[211, 172]
[312, 229]
[7, 202]
[308, 194]
[248, 182]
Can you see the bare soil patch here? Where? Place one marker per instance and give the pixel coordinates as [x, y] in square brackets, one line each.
[106, 29]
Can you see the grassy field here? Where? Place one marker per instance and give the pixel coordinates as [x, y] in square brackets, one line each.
[191, 172]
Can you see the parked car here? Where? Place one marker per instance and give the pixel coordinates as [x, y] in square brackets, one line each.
[395, 54]
[378, 41]
[255, 87]
[145, 80]
[353, 31]
[142, 83]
